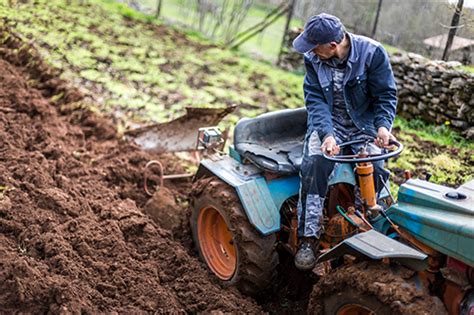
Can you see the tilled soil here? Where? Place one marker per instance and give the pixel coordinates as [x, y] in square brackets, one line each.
[72, 235]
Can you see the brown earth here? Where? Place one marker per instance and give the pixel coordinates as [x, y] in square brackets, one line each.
[72, 236]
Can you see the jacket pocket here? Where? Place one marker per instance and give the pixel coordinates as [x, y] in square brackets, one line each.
[358, 92]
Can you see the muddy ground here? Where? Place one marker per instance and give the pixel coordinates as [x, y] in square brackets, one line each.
[72, 235]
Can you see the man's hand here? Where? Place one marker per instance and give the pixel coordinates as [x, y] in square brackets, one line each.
[383, 137]
[330, 146]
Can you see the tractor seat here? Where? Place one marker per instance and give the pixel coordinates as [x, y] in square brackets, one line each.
[273, 141]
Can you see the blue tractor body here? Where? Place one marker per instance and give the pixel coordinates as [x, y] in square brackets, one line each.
[438, 216]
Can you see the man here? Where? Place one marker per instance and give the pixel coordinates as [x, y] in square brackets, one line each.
[350, 94]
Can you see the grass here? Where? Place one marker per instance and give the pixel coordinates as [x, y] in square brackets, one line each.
[469, 69]
[441, 135]
[140, 70]
[391, 49]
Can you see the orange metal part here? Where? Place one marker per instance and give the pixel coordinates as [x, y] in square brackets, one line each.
[365, 171]
[216, 243]
[453, 295]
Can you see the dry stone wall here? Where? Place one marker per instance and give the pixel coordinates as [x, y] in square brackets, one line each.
[433, 91]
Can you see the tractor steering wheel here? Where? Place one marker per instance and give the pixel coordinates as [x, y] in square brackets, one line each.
[356, 158]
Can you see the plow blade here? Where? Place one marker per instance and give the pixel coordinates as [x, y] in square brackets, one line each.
[179, 134]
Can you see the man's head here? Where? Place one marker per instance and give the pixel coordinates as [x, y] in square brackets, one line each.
[323, 35]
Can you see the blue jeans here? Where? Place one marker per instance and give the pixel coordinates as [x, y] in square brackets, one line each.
[315, 173]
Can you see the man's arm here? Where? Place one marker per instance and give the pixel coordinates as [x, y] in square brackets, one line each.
[383, 89]
[318, 109]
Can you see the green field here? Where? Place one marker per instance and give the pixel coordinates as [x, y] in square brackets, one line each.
[140, 70]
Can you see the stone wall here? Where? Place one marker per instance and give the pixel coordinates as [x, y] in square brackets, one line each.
[433, 91]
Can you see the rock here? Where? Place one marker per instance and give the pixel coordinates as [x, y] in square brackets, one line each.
[453, 64]
[162, 208]
[459, 124]
[421, 106]
[469, 133]
[457, 83]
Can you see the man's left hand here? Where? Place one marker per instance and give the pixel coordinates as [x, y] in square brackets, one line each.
[383, 137]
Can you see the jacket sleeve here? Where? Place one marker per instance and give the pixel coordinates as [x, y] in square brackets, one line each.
[382, 88]
[319, 115]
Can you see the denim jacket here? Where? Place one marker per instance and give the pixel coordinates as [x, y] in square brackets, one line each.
[370, 91]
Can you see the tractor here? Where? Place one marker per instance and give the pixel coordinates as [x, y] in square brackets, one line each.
[377, 256]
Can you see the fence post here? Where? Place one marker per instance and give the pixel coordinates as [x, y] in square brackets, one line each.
[158, 8]
[374, 29]
[291, 9]
[453, 29]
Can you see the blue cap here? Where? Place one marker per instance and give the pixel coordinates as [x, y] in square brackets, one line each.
[320, 29]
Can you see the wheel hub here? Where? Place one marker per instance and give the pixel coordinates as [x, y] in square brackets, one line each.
[354, 309]
[216, 243]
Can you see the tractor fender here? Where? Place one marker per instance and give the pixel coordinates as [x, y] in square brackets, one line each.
[261, 199]
[376, 246]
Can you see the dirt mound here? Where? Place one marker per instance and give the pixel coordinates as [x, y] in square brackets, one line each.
[72, 236]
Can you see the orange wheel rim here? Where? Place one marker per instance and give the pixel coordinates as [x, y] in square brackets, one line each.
[216, 243]
[354, 309]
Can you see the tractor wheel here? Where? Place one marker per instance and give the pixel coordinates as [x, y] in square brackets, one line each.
[226, 241]
[372, 288]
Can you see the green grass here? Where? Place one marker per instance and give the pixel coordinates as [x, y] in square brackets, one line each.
[469, 69]
[392, 49]
[441, 135]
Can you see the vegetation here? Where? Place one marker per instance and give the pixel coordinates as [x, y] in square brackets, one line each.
[141, 70]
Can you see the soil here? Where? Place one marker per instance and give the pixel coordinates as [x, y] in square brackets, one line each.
[394, 288]
[72, 235]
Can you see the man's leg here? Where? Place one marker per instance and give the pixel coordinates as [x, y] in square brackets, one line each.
[314, 174]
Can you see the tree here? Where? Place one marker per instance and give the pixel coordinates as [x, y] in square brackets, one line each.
[453, 29]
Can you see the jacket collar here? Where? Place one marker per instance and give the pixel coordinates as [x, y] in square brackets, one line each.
[353, 55]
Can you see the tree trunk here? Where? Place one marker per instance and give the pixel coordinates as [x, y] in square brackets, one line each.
[453, 29]
[291, 9]
[374, 29]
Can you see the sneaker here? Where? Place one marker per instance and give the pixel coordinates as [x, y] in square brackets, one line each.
[305, 258]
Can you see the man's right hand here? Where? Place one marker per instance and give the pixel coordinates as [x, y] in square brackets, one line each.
[330, 146]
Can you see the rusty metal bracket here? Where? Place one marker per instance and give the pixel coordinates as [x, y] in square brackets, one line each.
[162, 176]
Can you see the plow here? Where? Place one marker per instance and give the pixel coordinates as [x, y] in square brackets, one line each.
[244, 216]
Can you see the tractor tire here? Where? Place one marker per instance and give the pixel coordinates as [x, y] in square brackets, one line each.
[236, 253]
[372, 288]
